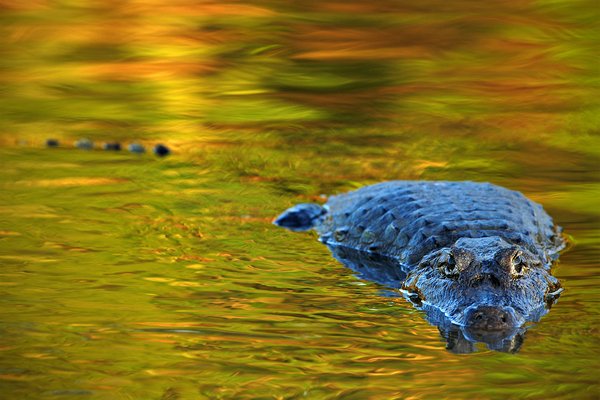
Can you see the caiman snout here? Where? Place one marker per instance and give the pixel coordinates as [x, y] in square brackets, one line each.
[488, 318]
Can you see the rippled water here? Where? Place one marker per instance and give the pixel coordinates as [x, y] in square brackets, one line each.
[133, 277]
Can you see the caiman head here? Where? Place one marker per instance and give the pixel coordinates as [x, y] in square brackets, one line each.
[487, 286]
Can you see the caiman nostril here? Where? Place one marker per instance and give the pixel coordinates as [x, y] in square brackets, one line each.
[489, 318]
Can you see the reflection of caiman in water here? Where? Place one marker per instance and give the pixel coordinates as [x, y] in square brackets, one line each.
[475, 257]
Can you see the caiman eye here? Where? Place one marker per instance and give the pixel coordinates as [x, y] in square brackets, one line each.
[518, 265]
[447, 265]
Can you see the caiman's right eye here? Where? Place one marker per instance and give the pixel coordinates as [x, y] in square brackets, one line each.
[447, 264]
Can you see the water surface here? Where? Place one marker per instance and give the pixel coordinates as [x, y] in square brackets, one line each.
[134, 277]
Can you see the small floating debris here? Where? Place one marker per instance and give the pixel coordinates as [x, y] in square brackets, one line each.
[112, 146]
[51, 143]
[161, 150]
[84, 144]
[136, 148]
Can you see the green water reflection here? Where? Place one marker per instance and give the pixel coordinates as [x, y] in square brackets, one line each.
[132, 277]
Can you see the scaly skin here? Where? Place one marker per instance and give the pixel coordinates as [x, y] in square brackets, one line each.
[408, 219]
[472, 255]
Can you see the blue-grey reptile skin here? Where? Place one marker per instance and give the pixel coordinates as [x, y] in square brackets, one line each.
[474, 256]
[408, 219]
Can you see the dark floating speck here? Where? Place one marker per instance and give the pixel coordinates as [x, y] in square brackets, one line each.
[136, 148]
[112, 146]
[161, 150]
[84, 144]
[51, 143]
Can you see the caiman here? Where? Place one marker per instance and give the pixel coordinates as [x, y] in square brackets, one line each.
[475, 257]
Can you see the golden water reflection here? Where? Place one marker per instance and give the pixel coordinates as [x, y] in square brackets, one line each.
[128, 276]
[140, 69]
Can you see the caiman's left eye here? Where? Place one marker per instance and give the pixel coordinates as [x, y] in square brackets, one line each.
[518, 265]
